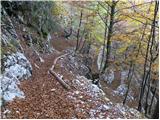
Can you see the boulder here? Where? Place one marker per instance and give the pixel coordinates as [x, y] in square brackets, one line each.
[16, 67]
[77, 64]
[108, 76]
[121, 91]
[124, 75]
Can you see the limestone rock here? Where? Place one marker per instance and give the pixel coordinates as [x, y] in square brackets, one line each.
[121, 91]
[16, 67]
[108, 76]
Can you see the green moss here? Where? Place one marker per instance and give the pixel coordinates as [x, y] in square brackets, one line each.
[7, 49]
[14, 43]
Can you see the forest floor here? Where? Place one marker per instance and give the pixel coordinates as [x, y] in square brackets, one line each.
[46, 98]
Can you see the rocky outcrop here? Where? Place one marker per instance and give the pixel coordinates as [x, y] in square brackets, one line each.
[78, 64]
[16, 67]
[92, 103]
[9, 36]
[108, 76]
[121, 91]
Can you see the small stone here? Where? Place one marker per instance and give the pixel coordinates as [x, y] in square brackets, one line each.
[24, 30]
[106, 107]
[6, 111]
[53, 89]
[106, 99]
[17, 111]
[76, 92]
[80, 96]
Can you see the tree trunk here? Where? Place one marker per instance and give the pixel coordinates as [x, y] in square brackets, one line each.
[80, 22]
[129, 78]
[149, 50]
[146, 103]
[83, 44]
[81, 40]
[104, 45]
[154, 92]
[110, 29]
[156, 111]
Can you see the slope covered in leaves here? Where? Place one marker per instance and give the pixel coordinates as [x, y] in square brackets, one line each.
[46, 98]
[47, 31]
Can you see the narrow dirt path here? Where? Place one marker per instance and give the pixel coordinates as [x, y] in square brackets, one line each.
[44, 96]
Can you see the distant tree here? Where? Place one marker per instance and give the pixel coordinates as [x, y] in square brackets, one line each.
[78, 32]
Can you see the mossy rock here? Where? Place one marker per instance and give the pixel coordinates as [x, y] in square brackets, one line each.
[9, 49]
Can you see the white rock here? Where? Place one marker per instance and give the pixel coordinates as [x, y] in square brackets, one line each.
[17, 67]
[124, 75]
[53, 89]
[80, 96]
[105, 107]
[77, 92]
[106, 99]
[121, 91]
[109, 76]
[6, 111]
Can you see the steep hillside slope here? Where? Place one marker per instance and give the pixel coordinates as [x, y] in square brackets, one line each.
[45, 97]
[29, 90]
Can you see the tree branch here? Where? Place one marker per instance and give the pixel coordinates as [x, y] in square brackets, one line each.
[104, 8]
[138, 20]
[60, 80]
[133, 6]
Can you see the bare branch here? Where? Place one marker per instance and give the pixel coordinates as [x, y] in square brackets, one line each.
[104, 8]
[134, 6]
[138, 20]
[60, 80]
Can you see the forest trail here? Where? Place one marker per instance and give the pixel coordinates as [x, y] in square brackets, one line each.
[44, 96]
[42, 89]
[78, 60]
